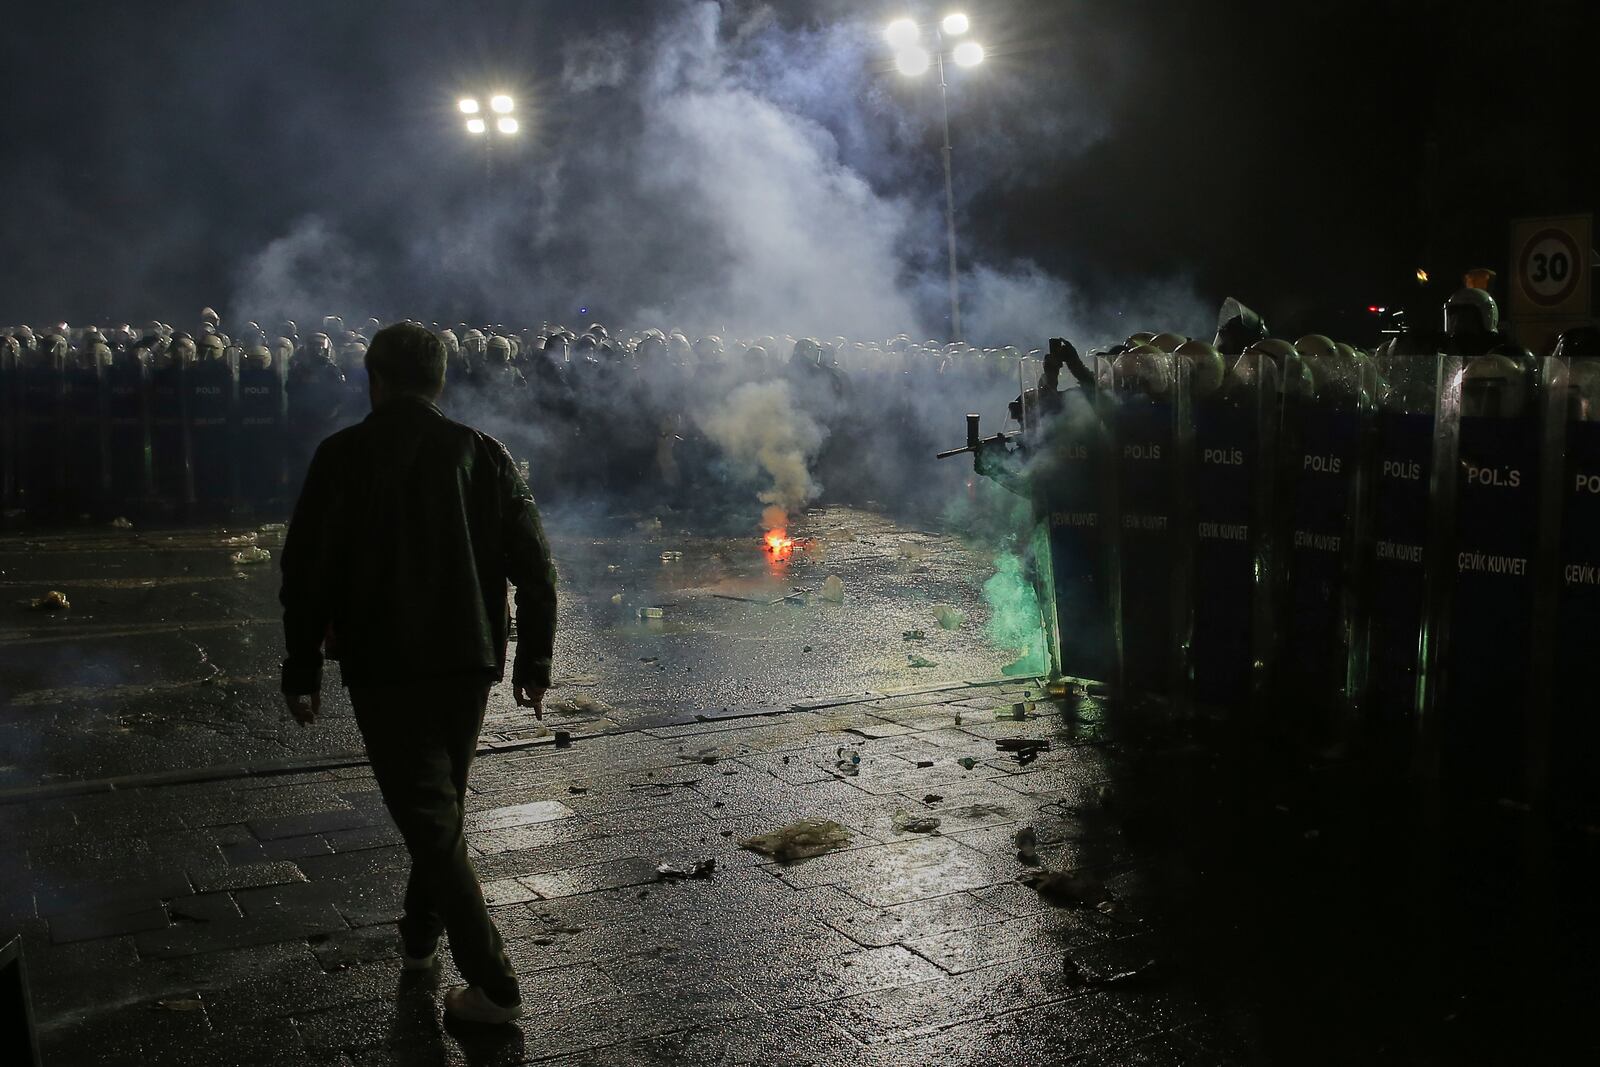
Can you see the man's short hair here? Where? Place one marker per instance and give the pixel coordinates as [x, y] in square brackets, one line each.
[408, 358]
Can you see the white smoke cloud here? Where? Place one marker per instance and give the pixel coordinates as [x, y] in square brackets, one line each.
[310, 271]
[760, 426]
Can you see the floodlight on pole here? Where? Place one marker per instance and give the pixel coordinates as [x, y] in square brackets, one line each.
[507, 125]
[968, 54]
[468, 106]
[501, 104]
[955, 25]
[912, 61]
[902, 34]
[476, 126]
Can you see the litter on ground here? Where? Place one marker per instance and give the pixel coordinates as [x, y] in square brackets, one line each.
[52, 601]
[949, 618]
[801, 840]
[906, 823]
[253, 554]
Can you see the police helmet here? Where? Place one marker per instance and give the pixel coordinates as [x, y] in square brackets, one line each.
[1142, 369]
[1206, 366]
[1471, 312]
[1168, 342]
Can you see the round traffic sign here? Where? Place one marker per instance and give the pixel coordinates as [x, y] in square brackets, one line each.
[1549, 267]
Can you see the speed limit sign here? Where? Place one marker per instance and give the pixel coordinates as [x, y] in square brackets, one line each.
[1550, 261]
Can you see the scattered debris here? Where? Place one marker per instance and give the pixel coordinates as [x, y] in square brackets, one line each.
[671, 557]
[121, 523]
[906, 823]
[240, 539]
[1027, 840]
[677, 872]
[958, 718]
[1017, 711]
[849, 761]
[801, 840]
[914, 635]
[649, 659]
[807, 648]
[270, 528]
[563, 739]
[576, 681]
[932, 798]
[798, 599]
[1022, 744]
[968, 762]
[1077, 975]
[949, 618]
[616, 598]
[1065, 889]
[738, 599]
[652, 613]
[180, 1004]
[915, 660]
[910, 550]
[833, 589]
[981, 811]
[579, 705]
[577, 790]
[253, 554]
[52, 601]
[612, 568]
[924, 763]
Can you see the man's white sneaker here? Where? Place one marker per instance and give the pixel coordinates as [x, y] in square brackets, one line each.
[417, 963]
[470, 1004]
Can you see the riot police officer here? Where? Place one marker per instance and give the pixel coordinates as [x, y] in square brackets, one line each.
[261, 428]
[212, 392]
[315, 390]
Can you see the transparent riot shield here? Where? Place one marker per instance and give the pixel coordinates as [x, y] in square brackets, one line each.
[10, 353]
[1071, 479]
[1574, 728]
[84, 440]
[260, 437]
[212, 398]
[1327, 406]
[1149, 423]
[1234, 461]
[1405, 461]
[1486, 645]
[40, 402]
[169, 436]
[128, 432]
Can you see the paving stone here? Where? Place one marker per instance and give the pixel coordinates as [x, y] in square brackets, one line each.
[250, 876]
[1046, 936]
[317, 822]
[876, 927]
[89, 925]
[375, 836]
[518, 815]
[365, 863]
[507, 891]
[284, 848]
[629, 871]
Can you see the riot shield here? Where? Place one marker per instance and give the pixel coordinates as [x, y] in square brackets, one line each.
[40, 468]
[1326, 423]
[128, 432]
[1073, 484]
[261, 438]
[1150, 425]
[1574, 728]
[1234, 462]
[1407, 457]
[10, 385]
[212, 395]
[1487, 632]
[169, 438]
[85, 440]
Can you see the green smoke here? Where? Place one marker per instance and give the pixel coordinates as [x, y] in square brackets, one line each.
[1015, 621]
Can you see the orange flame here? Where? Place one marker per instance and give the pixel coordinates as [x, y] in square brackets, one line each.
[779, 543]
[1422, 276]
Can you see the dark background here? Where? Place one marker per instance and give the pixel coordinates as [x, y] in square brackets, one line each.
[1304, 157]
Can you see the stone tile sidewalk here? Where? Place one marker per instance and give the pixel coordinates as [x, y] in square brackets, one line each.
[250, 919]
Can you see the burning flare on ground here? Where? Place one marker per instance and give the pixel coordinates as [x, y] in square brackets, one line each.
[779, 544]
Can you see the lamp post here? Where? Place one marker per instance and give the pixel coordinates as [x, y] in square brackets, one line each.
[478, 125]
[913, 60]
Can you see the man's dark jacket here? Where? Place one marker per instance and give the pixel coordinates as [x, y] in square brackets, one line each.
[398, 554]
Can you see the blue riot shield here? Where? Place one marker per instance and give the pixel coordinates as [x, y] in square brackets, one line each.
[1326, 423]
[1234, 461]
[128, 449]
[1149, 425]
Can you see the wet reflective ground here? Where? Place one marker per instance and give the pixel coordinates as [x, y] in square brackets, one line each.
[169, 653]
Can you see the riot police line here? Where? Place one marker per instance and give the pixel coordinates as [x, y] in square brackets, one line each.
[161, 424]
[1393, 553]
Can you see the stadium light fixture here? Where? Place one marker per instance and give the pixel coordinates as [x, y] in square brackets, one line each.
[912, 61]
[507, 125]
[902, 34]
[468, 105]
[476, 126]
[955, 25]
[968, 54]
[501, 104]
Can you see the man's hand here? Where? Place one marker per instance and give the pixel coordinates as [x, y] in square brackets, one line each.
[305, 707]
[530, 697]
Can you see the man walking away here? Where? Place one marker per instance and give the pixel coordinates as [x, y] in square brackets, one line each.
[405, 534]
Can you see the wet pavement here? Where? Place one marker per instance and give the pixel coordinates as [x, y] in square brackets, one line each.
[168, 657]
[195, 882]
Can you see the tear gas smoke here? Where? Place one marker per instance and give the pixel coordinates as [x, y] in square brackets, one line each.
[761, 426]
[1015, 620]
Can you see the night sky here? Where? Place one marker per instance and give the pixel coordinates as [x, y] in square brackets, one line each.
[1303, 157]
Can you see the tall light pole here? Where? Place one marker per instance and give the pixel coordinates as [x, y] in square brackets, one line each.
[505, 125]
[913, 60]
